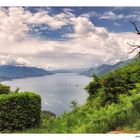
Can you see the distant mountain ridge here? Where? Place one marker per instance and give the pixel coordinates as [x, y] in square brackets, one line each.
[74, 70]
[105, 68]
[8, 72]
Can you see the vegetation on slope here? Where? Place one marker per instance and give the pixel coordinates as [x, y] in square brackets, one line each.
[101, 70]
[114, 102]
[115, 83]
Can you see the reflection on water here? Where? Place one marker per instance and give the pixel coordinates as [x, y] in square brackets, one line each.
[56, 91]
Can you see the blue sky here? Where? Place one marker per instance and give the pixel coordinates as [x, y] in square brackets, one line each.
[66, 37]
[116, 19]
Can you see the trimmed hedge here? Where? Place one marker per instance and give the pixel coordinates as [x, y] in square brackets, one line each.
[19, 111]
[4, 89]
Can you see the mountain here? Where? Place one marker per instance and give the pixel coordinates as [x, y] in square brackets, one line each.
[89, 72]
[8, 72]
[105, 68]
[74, 70]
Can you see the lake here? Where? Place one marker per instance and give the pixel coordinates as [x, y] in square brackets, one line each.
[56, 91]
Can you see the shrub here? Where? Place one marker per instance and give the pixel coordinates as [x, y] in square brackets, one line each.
[4, 89]
[19, 111]
[92, 87]
[116, 82]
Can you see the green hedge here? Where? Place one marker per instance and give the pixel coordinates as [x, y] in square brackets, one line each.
[4, 89]
[19, 111]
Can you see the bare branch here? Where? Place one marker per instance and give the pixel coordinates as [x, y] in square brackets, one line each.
[138, 55]
[136, 28]
[134, 50]
[133, 45]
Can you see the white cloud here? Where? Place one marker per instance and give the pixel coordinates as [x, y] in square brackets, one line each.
[82, 25]
[88, 45]
[55, 22]
[111, 15]
[15, 20]
[117, 24]
[68, 10]
[89, 14]
[10, 60]
[134, 16]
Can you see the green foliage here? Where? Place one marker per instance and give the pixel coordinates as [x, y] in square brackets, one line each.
[17, 90]
[88, 119]
[19, 111]
[115, 83]
[74, 104]
[4, 89]
[94, 86]
[114, 102]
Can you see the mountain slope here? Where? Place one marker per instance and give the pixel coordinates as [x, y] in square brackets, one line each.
[105, 68]
[8, 72]
[74, 70]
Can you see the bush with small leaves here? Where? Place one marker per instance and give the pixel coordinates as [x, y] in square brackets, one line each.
[19, 111]
[4, 89]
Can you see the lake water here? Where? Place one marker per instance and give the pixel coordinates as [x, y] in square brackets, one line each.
[56, 91]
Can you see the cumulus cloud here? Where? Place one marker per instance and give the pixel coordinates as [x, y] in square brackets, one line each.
[15, 20]
[88, 45]
[10, 60]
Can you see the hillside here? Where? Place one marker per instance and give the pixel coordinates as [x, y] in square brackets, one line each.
[113, 104]
[74, 70]
[105, 68]
[8, 72]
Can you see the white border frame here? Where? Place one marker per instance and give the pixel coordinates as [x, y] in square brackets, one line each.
[69, 136]
[69, 2]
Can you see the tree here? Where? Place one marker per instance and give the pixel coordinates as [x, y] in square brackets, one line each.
[17, 90]
[135, 46]
[74, 104]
